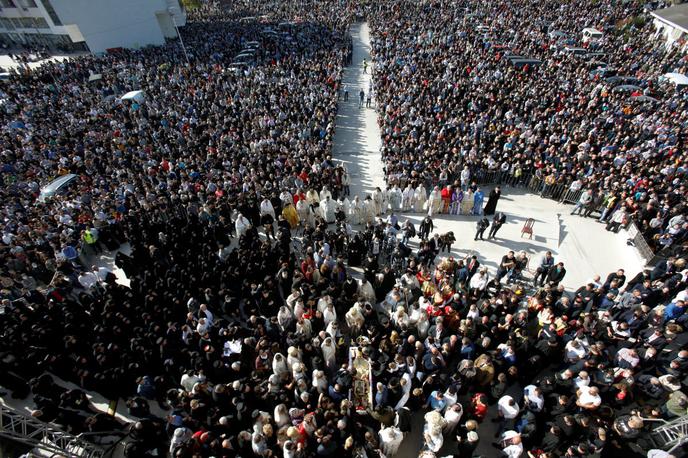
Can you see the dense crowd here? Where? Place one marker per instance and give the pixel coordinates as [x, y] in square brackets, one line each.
[270, 313]
[451, 100]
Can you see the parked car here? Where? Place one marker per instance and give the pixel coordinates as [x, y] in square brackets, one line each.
[520, 63]
[591, 35]
[58, 186]
[575, 51]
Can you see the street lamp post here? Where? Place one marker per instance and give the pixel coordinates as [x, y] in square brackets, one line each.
[174, 21]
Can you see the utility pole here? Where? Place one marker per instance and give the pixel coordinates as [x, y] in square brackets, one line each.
[174, 21]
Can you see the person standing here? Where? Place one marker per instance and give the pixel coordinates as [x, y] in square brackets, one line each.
[361, 98]
[346, 93]
[483, 223]
[478, 197]
[497, 223]
[556, 274]
[492, 200]
[541, 272]
[425, 228]
[365, 66]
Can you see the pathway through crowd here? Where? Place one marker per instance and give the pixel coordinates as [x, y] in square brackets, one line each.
[357, 143]
[357, 138]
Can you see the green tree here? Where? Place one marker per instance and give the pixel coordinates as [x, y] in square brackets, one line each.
[190, 5]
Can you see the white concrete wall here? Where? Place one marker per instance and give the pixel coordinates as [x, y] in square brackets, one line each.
[120, 23]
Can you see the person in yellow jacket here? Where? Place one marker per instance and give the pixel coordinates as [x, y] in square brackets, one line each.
[90, 238]
[289, 213]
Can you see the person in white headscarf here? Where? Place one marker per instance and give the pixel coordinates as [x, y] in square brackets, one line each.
[452, 417]
[266, 208]
[293, 357]
[320, 382]
[304, 327]
[329, 351]
[281, 415]
[390, 440]
[420, 197]
[435, 201]
[284, 317]
[432, 431]
[241, 225]
[279, 366]
[329, 314]
[406, 384]
[407, 199]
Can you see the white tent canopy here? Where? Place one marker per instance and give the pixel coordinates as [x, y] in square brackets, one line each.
[136, 96]
[678, 79]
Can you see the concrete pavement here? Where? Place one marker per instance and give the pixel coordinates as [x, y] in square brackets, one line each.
[357, 138]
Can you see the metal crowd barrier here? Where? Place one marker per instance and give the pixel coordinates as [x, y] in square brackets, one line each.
[640, 243]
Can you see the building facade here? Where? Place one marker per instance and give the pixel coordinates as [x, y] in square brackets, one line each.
[89, 25]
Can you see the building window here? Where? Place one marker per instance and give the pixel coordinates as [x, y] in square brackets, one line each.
[51, 12]
[6, 23]
[28, 3]
[41, 23]
[7, 4]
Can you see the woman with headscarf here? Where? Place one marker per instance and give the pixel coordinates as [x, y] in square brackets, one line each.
[242, 225]
[284, 318]
[329, 352]
[279, 366]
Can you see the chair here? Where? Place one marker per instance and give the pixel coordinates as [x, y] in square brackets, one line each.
[528, 227]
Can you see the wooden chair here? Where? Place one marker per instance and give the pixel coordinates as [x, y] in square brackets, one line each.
[528, 228]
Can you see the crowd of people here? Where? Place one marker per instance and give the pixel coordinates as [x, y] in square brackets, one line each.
[454, 107]
[270, 313]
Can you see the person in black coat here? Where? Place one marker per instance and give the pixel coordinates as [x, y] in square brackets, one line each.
[492, 201]
[483, 223]
[497, 223]
[556, 274]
